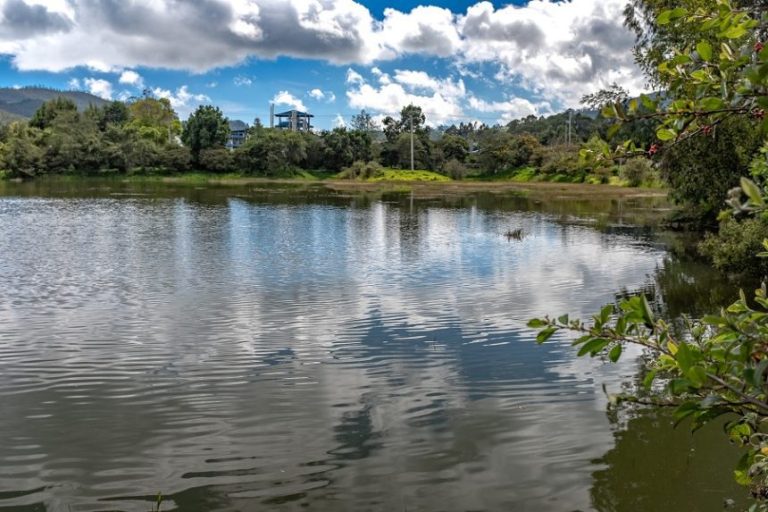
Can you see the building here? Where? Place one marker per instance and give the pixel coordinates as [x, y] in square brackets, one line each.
[293, 120]
[238, 133]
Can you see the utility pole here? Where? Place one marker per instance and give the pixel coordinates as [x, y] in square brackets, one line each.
[412, 159]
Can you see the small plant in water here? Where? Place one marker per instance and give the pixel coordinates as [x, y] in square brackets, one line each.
[157, 507]
[514, 234]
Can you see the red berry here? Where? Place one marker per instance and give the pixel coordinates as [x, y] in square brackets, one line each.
[758, 113]
[707, 130]
[759, 47]
[653, 149]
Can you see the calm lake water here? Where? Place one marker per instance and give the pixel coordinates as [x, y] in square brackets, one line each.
[261, 348]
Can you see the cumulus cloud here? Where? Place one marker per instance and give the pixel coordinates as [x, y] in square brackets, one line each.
[182, 101]
[99, 87]
[440, 99]
[559, 50]
[20, 19]
[515, 108]
[320, 95]
[132, 78]
[426, 29]
[339, 122]
[286, 98]
[74, 84]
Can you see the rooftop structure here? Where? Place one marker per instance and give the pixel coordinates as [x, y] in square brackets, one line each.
[294, 120]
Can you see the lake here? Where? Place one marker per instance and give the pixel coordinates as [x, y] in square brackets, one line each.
[300, 347]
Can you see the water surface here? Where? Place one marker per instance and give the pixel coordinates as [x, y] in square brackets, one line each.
[282, 349]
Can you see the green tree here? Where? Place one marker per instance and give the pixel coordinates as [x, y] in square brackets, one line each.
[49, 110]
[206, 128]
[19, 154]
[716, 71]
[154, 119]
[454, 147]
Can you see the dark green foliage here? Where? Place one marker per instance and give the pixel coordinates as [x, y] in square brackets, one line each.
[701, 170]
[50, 110]
[217, 160]
[274, 152]
[206, 128]
[20, 155]
[341, 147]
[735, 245]
[454, 147]
[500, 150]
[637, 171]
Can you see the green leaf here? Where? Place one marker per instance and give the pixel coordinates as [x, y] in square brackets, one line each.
[546, 334]
[606, 312]
[734, 32]
[753, 191]
[647, 313]
[648, 103]
[593, 346]
[615, 353]
[679, 386]
[648, 380]
[741, 473]
[665, 134]
[664, 18]
[759, 377]
[705, 50]
[563, 319]
[537, 323]
[685, 410]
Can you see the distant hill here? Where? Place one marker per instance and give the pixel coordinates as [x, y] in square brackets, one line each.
[23, 103]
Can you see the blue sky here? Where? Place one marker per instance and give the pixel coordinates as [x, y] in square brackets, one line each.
[461, 60]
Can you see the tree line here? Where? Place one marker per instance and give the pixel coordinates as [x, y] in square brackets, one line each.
[145, 135]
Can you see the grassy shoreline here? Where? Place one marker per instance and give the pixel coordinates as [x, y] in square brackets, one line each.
[387, 183]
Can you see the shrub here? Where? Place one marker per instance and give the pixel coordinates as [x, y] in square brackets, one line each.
[176, 159]
[734, 247]
[362, 170]
[217, 160]
[455, 169]
[637, 171]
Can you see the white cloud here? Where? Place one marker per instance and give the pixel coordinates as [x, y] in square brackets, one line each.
[242, 81]
[426, 29]
[182, 101]
[286, 98]
[99, 87]
[339, 122]
[353, 77]
[74, 84]
[129, 77]
[558, 50]
[515, 108]
[440, 99]
[320, 95]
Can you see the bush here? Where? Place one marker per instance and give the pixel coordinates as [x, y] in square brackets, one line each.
[176, 159]
[734, 247]
[560, 160]
[362, 170]
[638, 171]
[455, 170]
[217, 160]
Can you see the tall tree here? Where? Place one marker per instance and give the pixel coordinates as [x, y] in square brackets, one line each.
[206, 128]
